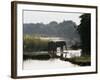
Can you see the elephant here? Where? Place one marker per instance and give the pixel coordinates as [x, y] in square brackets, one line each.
[52, 47]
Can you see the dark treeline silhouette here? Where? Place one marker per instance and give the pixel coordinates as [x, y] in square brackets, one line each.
[65, 29]
[84, 30]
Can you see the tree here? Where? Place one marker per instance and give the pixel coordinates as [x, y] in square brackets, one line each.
[84, 30]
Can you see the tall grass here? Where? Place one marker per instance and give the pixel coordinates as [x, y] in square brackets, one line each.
[82, 60]
[33, 43]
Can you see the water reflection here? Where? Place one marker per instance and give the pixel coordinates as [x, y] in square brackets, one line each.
[46, 64]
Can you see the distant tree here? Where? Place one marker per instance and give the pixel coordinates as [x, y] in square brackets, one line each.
[75, 46]
[84, 30]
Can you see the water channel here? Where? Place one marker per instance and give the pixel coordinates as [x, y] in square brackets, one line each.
[46, 64]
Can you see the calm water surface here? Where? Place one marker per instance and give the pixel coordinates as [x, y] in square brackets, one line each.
[47, 64]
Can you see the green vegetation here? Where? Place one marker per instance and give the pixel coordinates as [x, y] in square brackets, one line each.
[82, 60]
[37, 57]
[32, 43]
[84, 30]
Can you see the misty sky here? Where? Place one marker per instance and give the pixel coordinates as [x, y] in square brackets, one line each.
[47, 17]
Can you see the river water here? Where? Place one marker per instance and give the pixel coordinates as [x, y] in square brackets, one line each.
[46, 64]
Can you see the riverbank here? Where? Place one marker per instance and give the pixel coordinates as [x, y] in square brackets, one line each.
[81, 61]
[37, 57]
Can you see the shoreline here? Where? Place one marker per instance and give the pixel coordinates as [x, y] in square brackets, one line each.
[81, 61]
[78, 60]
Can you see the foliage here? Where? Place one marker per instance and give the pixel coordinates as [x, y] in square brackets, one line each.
[84, 30]
[82, 60]
[75, 46]
[32, 43]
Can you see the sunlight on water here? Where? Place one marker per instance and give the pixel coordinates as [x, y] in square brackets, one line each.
[46, 64]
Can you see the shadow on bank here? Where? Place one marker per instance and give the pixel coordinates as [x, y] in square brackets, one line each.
[81, 61]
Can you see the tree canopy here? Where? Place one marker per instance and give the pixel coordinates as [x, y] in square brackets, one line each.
[84, 30]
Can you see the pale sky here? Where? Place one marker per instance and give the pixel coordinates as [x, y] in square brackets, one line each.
[47, 17]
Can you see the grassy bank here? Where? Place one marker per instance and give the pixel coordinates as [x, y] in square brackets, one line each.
[37, 57]
[82, 61]
[32, 43]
